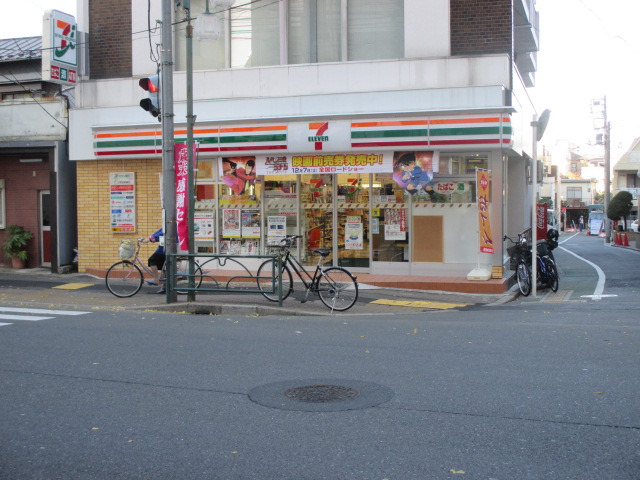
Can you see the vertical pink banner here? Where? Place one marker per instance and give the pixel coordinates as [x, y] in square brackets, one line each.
[181, 158]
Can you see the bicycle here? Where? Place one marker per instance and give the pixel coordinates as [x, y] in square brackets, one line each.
[523, 262]
[336, 286]
[125, 278]
[547, 270]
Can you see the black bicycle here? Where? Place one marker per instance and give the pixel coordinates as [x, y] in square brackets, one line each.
[547, 270]
[522, 254]
[336, 286]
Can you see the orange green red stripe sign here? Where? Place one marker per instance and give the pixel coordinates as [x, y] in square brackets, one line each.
[386, 134]
[148, 142]
[476, 130]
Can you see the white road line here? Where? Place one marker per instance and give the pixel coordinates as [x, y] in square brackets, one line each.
[601, 276]
[5, 324]
[28, 318]
[41, 311]
[568, 238]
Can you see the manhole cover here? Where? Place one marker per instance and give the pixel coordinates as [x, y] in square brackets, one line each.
[321, 395]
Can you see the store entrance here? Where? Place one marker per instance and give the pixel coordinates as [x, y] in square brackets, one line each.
[352, 200]
[390, 221]
[317, 216]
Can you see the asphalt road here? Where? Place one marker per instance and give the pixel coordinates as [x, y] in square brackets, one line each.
[534, 389]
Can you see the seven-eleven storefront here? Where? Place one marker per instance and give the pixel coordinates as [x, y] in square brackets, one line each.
[392, 196]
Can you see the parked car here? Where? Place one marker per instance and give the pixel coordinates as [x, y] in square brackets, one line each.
[634, 226]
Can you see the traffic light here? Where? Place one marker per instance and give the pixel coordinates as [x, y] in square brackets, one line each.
[152, 103]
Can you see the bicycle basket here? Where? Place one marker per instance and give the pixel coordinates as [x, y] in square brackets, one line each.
[127, 249]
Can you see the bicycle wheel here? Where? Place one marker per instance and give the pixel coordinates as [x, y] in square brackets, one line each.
[269, 288]
[552, 274]
[523, 276]
[181, 278]
[337, 289]
[124, 279]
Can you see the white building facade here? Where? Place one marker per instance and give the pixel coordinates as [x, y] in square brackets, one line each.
[307, 110]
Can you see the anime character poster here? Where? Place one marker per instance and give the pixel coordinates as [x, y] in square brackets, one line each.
[239, 174]
[413, 171]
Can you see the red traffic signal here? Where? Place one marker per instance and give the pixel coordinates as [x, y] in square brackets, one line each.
[151, 85]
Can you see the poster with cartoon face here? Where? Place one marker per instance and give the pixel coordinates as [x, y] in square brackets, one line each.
[413, 171]
[239, 174]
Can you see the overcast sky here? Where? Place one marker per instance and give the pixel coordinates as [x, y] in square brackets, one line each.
[589, 49]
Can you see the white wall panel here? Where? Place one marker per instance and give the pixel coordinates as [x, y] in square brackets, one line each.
[427, 28]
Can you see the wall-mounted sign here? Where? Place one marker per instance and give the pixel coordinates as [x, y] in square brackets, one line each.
[59, 48]
[122, 197]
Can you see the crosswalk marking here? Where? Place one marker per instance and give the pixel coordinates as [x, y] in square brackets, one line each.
[33, 314]
[28, 318]
[41, 311]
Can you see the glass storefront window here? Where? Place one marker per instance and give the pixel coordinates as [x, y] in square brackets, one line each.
[353, 219]
[316, 197]
[239, 199]
[389, 220]
[280, 209]
[456, 178]
[361, 217]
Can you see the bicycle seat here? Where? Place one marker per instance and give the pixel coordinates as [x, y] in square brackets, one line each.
[322, 252]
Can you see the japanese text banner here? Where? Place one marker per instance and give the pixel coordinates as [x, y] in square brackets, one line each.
[181, 158]
[333, 163]
[483, 178]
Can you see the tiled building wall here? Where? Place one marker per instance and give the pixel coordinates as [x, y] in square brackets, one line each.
[98, 246]
[481, 27]
[110, 38]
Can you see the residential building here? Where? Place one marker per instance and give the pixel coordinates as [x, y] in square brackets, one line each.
[323, 101]
[626, 175]
[37, 181]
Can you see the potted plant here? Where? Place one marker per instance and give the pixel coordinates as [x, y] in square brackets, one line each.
[15, 245]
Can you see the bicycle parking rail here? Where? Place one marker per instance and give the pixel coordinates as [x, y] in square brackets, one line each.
[222, 273]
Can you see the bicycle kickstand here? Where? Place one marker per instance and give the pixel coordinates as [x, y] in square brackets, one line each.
[306, 296]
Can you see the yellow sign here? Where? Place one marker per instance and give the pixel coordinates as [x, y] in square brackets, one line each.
[375, 212]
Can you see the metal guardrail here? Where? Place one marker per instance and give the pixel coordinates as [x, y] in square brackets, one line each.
[221, 273]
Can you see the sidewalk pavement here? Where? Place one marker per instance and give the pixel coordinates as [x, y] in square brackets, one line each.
[38, 287]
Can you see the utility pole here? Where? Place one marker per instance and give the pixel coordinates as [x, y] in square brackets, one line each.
[168, 166]
[191, 120]
[607, 174]
[539, 125]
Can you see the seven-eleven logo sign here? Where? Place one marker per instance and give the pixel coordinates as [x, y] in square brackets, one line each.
[65, 41]
[318, 136]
